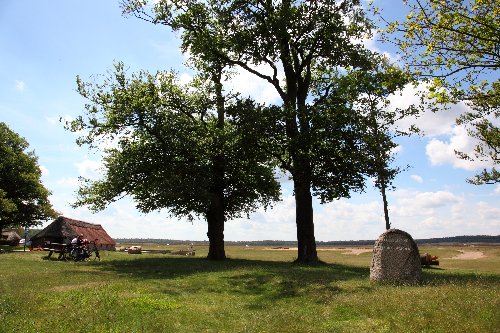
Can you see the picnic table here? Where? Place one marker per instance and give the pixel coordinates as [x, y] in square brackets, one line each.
[72, 252]
[56, 248]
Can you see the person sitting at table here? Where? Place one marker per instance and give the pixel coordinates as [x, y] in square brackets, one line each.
[77, 243]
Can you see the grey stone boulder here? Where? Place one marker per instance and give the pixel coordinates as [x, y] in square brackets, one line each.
[396, 258]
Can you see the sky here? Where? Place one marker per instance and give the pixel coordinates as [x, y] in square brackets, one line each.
[44, 45]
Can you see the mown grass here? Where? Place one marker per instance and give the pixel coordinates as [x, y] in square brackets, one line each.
[256, 290]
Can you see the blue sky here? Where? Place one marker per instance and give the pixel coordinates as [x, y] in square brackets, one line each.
[44, 45]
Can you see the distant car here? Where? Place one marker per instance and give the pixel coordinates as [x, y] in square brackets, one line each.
[135, 250]
[24, 241]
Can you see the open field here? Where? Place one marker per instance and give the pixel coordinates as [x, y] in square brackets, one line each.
[257, 290]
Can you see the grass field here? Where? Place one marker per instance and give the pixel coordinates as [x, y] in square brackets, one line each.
[257, 290]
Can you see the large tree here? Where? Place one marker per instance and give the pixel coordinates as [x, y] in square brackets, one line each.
[24, 200]
[454, 46]
[302, 39]
[174, 148]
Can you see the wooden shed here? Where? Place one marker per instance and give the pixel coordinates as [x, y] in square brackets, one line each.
[64, 229]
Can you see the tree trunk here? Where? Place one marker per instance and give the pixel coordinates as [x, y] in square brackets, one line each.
[307, 253]
[215, 214]
[386, 209]
[301, 173]
[215, 220]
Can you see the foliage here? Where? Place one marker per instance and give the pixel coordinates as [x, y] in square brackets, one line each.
[24, 201]
[336, 159]
[454, 44]
[164, 136]
[311, 140]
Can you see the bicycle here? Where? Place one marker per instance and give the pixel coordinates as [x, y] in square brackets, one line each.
[83, 252]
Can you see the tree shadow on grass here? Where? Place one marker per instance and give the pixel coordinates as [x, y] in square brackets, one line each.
[265, 280]
[154, 268]
[438, 277]
[268, 281]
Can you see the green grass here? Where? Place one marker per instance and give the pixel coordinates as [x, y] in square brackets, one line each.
[257, 290]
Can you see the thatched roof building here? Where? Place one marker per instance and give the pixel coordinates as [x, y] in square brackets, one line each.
[10, 238]
[64, 229]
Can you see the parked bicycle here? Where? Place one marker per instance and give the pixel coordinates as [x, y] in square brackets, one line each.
[83, 252]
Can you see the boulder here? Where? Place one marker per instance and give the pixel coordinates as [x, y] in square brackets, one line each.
[396, 258]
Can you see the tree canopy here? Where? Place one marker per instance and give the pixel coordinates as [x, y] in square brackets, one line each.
[24, 200]
[295, 46]
[454, 46]
[172, 149]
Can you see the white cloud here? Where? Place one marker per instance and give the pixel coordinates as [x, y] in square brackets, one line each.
[430, 123]
[185, 78]
[20, 85]
[275, 223]
[45, 171]
[68, 182]
[396, 149]
[442, 152]
[497, 189]
[486, 211]
[246, 83]
[88, 168]
[52, 120]
[411, 204]
[345, 220]
[417, 178]
[249, 84]
[422, 214]
[440, 127]
[370, 44]
[425, 199]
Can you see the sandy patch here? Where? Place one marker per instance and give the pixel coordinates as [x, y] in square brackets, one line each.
[342, 250]
[357, 251]
[347, 250]
[469, 255]
[279, 248]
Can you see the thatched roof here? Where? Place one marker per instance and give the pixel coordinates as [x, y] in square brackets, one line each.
[9, 238]
[10, 235]
[64, 229]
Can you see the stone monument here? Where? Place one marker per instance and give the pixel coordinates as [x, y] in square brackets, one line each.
[396, 258]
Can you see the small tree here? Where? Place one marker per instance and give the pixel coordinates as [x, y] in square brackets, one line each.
[454, 46]
[174, 149]
[24, 201]
[371, 92]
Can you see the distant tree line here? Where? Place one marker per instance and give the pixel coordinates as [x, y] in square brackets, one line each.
[483, 239]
